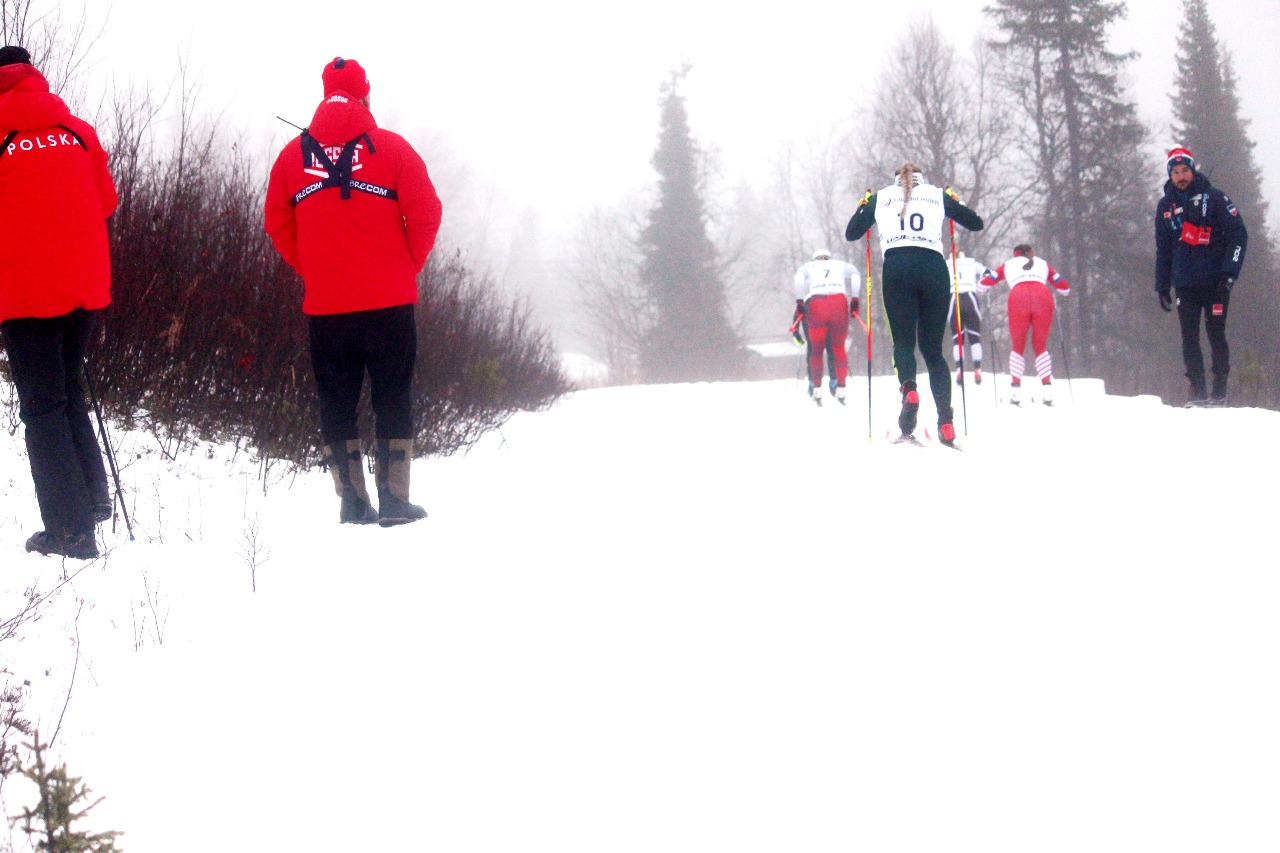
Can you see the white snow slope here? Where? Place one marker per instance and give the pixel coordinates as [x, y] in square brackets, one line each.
[707, 617]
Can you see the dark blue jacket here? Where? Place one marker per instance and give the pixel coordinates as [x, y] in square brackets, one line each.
[1200, 236]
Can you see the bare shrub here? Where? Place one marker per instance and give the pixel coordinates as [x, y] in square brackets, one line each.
[205, 338]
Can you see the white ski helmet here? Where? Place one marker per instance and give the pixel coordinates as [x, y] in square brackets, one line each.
[821, 255]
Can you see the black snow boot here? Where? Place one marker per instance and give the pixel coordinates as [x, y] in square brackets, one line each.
[910, 407]
[78, 546]
[391, 462]
[1196, 395]
[1218, 397]
[347, 467]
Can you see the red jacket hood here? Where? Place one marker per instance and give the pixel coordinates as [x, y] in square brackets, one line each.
[339, 119]
[25, 100]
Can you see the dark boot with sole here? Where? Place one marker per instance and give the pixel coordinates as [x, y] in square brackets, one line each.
[391, 461]
[346, 464]
[1197, 395]
[1218, 396]
[910, 407]
[946, 426]
[78, 546]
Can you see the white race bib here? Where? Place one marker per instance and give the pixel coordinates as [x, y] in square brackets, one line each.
[919, 225]
[1015, 274]
[968, 272]
[819, 278]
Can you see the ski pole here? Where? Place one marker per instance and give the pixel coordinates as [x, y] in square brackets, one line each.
[1062, 345]
[868, 325]
[955, 292]
[106, 443]
[995, 354]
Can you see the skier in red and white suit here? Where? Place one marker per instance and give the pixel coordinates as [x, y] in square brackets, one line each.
[1030, 307]
[826, 297]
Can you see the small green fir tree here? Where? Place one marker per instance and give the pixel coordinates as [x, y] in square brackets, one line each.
[64, 800]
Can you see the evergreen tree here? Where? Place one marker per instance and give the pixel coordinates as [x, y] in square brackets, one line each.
[690, 337]
[1206, 111]
[63, 802]
[1083, 142]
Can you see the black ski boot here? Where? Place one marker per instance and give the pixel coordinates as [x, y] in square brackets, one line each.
[910, 407]
[946, 427]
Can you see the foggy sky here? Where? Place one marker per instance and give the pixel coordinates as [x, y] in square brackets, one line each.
[553, 106]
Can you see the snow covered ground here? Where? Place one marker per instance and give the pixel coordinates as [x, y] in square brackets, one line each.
[707, 617]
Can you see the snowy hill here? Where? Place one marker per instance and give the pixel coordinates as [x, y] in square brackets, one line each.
[706, 617]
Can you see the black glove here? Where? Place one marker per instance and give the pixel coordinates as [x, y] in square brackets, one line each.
[1227, 282]
[854, 304]
[799, 308]
[1166, 299]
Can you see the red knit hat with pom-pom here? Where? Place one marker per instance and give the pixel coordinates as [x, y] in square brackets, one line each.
[345, 75]
[1180, 157]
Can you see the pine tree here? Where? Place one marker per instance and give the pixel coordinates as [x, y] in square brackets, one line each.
[690, 338]
[1207, 120]
[1084, 145]
[62, 803]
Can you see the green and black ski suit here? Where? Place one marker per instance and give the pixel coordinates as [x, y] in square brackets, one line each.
[916, 288]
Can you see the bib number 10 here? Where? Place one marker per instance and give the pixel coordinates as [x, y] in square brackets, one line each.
[915, 220]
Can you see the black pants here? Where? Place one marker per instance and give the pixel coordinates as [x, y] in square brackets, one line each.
[1211, 303]
[383, 342]
[917, 299]
[970, 319]
[46, 358]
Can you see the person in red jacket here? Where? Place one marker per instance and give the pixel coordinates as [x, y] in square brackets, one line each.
[1030, 308]
[55, 275]
[351, 207]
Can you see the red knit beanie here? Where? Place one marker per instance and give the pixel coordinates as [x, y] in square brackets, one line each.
[345, 75]
[1180, 156]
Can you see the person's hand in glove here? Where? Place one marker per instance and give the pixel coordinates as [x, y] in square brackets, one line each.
[797, 333]
[1166, 299]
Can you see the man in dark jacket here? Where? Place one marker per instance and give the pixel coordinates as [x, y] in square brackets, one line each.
[350, 206]
[55, 275]
[1200, 243]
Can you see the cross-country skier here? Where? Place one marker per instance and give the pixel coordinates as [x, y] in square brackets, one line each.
[909, 214]
[1030, 308]
[1200, 244]
[826, 297]
[968, 273]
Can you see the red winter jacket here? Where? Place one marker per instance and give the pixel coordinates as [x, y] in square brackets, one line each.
[364, 251]
[55, 197]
